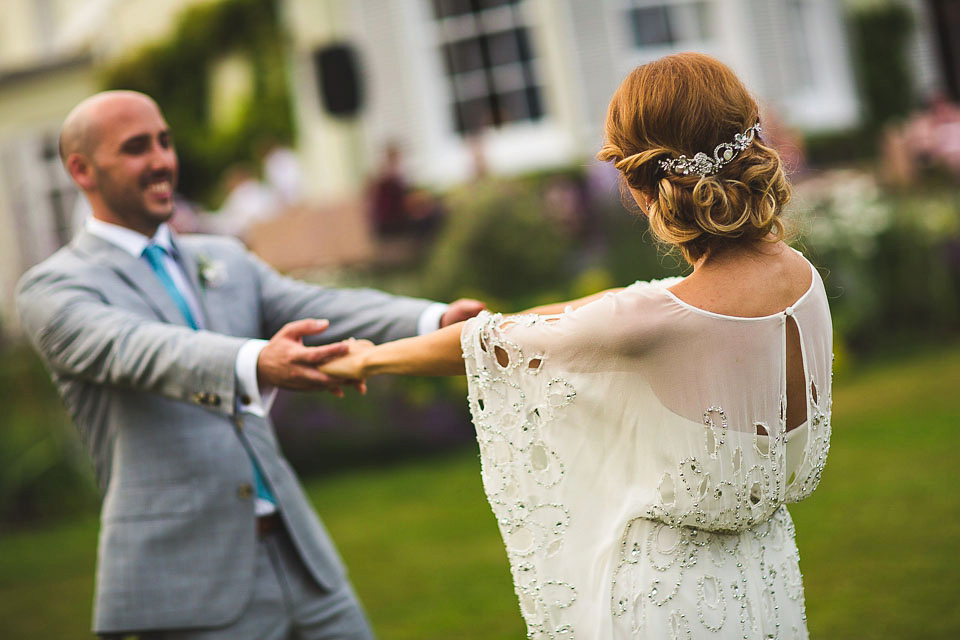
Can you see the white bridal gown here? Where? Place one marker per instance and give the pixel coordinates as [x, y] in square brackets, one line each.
[635, 455]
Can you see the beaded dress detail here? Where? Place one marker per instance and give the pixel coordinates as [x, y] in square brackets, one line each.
[635, 454]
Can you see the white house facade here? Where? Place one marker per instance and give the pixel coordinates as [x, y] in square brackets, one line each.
[509, 85]
[527, 82]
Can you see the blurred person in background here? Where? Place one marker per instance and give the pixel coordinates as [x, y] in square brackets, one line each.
[249, 201]
[639, 446]
[395, 208]
[163, 348]
[933, 134]
[282, 173]
[928, 140]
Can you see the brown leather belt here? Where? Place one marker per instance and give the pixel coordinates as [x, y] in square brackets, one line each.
[269, 524]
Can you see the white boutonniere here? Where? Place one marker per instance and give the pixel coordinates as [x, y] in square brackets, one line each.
[212, 273]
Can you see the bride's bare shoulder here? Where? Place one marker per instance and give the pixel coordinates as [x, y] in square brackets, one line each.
[748, 283]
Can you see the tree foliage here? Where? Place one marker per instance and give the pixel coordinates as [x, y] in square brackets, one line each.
[176, 73]
[880, 37]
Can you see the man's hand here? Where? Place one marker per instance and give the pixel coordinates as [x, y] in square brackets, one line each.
[287, 363]
[459, 310]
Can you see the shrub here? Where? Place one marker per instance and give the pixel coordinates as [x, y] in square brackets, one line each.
[891, 262]
[44, 472]
[880, 34]
[499, 243]
[831, 148]
[399, 418]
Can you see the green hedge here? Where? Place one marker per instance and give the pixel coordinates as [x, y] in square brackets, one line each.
[44, 472]
[891, 261]
[879, 36]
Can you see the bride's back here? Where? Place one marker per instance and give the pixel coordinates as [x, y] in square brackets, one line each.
[750, 283]
[753, 282]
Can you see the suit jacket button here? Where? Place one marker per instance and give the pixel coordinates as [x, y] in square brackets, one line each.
[245, 399]
[198, 398]
[245, 491]
[214, 399]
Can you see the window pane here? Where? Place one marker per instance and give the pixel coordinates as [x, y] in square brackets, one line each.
[471, 85]
[514, 106]
[504, 47]
[509, 77]
[476, 114]
[489, 62]
[447, 8]
[464, 55]
[489, 4]
[651, 26]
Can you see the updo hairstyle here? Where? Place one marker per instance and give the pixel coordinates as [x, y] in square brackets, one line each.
[680, 105]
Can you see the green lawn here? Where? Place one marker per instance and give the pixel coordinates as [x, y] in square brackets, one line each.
[879, 541]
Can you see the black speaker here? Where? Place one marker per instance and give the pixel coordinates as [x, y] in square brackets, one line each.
[338, 78]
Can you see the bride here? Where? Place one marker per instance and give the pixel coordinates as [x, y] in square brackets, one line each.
[638, 446]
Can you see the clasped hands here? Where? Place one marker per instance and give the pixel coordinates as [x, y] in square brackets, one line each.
[287, 363]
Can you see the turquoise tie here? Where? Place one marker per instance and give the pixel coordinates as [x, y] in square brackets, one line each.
[154, 254]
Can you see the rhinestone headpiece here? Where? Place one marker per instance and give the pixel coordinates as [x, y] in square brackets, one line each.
[703, 165]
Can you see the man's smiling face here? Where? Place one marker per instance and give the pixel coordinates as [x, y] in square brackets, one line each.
[134, 163]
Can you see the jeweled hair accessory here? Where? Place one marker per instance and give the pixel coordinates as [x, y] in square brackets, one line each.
[703, 165]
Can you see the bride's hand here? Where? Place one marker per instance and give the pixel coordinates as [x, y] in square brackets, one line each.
[349, 367]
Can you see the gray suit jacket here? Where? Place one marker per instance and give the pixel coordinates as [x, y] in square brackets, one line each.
[154, 402]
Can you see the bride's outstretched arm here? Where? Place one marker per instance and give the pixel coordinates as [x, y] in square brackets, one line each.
[432, 354]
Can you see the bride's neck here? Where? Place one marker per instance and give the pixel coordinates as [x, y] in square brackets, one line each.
[738, 255]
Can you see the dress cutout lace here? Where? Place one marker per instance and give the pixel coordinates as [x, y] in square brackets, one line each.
[635, 454]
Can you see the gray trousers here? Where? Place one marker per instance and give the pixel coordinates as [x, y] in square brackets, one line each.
[286, 604]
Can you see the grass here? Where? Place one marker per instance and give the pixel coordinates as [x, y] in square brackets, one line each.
[878, 541]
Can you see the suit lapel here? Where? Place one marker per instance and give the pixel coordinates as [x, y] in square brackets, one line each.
[135, 272]
[191, 266]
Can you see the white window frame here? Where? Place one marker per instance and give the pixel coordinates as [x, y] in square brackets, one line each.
[36, 178]
[443, 156]
[621, 24]
[487, 83]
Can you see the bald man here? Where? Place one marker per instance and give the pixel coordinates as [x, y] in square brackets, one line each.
[162, 347]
